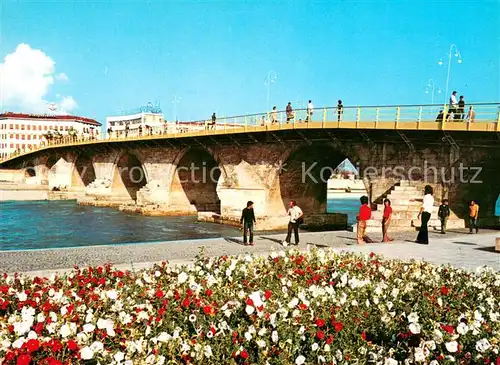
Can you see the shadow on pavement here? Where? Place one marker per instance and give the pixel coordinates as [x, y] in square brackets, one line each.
[275, 240]
[233, 240]
[487, 249]
[465, 243]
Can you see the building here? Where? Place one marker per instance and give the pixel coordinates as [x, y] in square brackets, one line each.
[137, 123]
[21, 132]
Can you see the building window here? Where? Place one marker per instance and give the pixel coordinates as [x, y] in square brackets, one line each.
[66, 128]
[17, 145]
[12, 126]
[22, 127]
[12, 145]
[28, 127]
[17, 136]
[29, 137]
[22, 136]
[44, 127]
[17, 126]
[39, 127]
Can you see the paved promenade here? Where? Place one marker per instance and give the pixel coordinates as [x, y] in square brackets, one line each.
[456, 248]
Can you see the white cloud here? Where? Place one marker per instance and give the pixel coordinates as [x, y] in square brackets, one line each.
[26, 76]
[62, 77]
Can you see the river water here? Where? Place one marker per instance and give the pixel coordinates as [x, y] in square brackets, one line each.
[29, 225]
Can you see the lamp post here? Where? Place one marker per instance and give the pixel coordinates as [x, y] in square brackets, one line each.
[456, 54]
[431, 88]
[270, 78]
[175, 101]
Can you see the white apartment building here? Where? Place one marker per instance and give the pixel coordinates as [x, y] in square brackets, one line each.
[138, 123]
[23, 132]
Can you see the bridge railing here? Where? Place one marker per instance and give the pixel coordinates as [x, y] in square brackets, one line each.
[482, 113]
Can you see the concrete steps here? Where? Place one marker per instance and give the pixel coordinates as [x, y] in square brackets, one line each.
[406, 201]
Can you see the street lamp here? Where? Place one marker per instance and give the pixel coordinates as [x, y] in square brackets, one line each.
[175, 101]
[457, 55]
[270, 78]
[432, 89]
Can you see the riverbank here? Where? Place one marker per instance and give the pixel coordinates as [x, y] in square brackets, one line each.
[23, 192]
[456, 248]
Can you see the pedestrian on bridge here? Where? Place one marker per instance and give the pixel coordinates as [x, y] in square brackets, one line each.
[340, 110]
[425, 213]
[471, 115]
[310, 111]
[461, 109]
[453, 106]
[247, 222]
[289, 112]
[214, 119]
[274, 115]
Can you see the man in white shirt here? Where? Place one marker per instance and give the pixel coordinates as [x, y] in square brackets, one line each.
[310, 111]
[453, 105]
[296, 215]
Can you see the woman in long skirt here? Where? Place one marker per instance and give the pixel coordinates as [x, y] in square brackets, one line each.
[425, 214]
[386, 220]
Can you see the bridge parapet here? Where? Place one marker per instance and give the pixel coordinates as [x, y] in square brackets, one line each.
[483, 117]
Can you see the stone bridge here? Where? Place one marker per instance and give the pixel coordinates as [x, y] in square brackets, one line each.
[220, 170]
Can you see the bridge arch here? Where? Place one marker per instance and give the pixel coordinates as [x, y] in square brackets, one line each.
[129, 175]
[304, 175]
[83, 171]
[195, 179]
[29, 169]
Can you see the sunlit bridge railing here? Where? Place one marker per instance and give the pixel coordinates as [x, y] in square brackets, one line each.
[473, 117]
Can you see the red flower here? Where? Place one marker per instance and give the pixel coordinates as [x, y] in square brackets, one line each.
[209, 310]
[445, 290]
[32, 345]
[244, 354]
[363, 335]
[320, 335]
[329, 340]
[448, 328]
[302, 306]
[24, 360]
[320, 322]
[186, 302]
[72, 345]
[267, 294]
[250, 302]
[338, 326]
[159, 294]
[208, 292]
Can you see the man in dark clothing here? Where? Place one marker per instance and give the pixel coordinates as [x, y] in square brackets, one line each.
[461, 108]
[289, 112]
[440, 116]
[214, 119]
[340, 110]
[443, 214]
[247, 222]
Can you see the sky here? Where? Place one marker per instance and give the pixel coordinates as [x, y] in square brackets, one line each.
[97, 58]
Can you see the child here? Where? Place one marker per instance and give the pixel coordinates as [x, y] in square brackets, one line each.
[365, 214]
[443, 214]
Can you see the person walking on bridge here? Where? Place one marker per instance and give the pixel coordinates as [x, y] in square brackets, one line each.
[310, 111]
[274, 115]
[214, 119]
[289, 112]
[296, 219]
[340, 110]
[453, 106]
[247, 222]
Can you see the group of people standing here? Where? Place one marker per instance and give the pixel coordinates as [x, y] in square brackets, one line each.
[290, 113]
[456, 110]
[424, 215]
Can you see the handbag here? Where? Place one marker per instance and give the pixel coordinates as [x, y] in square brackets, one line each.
[300, 220]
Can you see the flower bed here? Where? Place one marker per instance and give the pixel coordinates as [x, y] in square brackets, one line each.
[298, 308]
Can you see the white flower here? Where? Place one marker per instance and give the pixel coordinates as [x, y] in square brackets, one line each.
[88, 328]
[300, 360]
[274, 336]
[437, 336]
[164, 337]
[249, 309]
[327, 348]
[451, 346]
[256, 299]
[97, 346]
[462, 328]
[314, 346]
[413, 317]
[415, 328]
[248, 336]
[261, 343]
[18, 343]
[182, 277]
[419, 354]
[192, 318]
[65, 331]
[208, 351]
[293, 303]
[112, 294]
[86, 353]
[482, 345]
[390, 361]
[119, 356]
